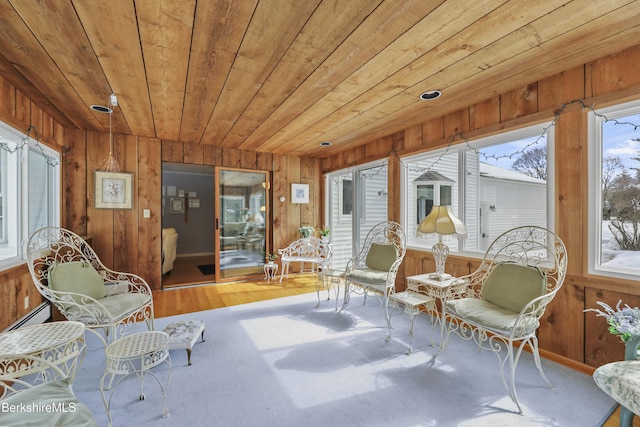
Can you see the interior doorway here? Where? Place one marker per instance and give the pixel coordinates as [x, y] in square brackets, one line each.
[241, 223]
[214, 224]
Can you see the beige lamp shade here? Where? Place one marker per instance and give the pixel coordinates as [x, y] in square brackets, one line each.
[442, 221]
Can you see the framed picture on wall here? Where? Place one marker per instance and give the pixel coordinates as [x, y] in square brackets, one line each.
[176, 205]
[113, 190]
[299, 193]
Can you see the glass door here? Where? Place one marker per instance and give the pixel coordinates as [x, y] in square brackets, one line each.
[242, 213]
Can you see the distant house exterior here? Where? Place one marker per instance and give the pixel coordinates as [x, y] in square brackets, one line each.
[508, 199]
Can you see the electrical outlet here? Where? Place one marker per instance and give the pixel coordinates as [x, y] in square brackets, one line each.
[146, 213]
[26, 302]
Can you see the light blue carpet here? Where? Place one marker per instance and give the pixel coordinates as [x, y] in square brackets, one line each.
[286, 363]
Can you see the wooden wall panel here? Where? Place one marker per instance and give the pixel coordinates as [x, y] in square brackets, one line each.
[571, 188]
[149, 197]
[456, 122]
[433, 130]
[212, 155]
[616, 72]
[280, 209]
[308, 212]
[7, 101]
[231, 158]
[294, 218]
[125, 229]
[519, 102]
[15, 285]
[172, 151]
[412, 138]
[99, 221]
[556, 90]
[484, 114]
[74, 162]
[193, 154]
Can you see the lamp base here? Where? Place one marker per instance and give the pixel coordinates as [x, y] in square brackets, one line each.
[441, 277]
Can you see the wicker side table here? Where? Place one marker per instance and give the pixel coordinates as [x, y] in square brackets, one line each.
[136, 354]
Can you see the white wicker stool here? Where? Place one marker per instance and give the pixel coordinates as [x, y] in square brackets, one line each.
[136, 354]
[184, 334]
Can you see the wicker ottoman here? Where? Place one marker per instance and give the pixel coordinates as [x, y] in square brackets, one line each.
[184, 334]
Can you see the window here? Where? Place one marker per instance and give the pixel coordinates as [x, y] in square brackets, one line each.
[350, 222]
[347, 196]
[492, 184]
[614, 191]
[29, 192]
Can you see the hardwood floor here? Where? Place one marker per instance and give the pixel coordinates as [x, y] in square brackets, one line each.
[185, 272]
[614, 420]
[186, 299]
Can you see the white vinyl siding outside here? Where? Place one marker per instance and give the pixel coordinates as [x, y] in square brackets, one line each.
[368, 198]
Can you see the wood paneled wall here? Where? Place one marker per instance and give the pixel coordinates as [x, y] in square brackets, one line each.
[126, 241]
[566, 331]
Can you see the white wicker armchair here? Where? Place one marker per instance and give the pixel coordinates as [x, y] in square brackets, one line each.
[375, 267]
[500, 305]
[69, 274]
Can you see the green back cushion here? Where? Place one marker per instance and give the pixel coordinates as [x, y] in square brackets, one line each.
[512, 286]
[381, 256]
[77, 276]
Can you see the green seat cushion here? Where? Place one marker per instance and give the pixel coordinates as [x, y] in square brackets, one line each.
[368, 275]
[512, 286]
[116, 306]
[381, 256]
[56, 394]
[79, 277]
[487, 315]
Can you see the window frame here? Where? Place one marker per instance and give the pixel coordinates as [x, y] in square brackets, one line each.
[459, 189]
[25, 144]
[595, 141]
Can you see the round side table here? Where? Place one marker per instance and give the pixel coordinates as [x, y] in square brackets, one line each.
[136, 354]
[60, 343]
[270, 270]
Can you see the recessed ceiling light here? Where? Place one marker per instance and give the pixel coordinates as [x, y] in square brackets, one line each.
[430, 94]
[101, 109]
[325, 143]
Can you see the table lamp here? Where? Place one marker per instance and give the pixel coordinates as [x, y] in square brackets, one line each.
[442, 222]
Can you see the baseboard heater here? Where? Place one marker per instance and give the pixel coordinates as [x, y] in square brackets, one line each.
[40, 314]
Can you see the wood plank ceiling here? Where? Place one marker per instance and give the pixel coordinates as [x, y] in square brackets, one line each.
[284, 75]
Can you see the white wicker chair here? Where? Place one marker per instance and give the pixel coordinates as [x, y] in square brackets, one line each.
[90, 293]
[500, 305]
[375, 267]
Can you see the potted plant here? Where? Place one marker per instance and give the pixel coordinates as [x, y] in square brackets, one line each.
[306, 231]
[324, 233]
[271, 258]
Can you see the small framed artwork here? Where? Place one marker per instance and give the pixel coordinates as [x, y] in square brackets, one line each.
[299, 193]
[176, 205]
[113, 190]
[194, 203]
